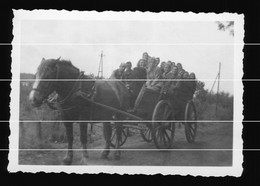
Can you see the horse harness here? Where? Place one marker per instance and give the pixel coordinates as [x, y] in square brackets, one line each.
[76, 91]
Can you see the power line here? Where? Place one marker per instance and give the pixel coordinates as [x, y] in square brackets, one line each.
[100, 68]
[216, 79]
[218, 87]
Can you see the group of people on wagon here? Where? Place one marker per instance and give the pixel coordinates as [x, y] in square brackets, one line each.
[168, 78]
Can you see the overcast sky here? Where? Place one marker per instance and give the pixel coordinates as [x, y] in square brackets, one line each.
[199, 46]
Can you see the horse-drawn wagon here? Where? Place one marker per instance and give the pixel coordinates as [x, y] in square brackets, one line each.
[85, 100]
[156, 120]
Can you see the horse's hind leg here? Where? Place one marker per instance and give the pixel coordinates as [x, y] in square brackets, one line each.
[107, 132]
[69, 131]
[83, 139]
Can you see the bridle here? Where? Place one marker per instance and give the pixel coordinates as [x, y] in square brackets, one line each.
[73, 90]
[38, 90]
[68, 97]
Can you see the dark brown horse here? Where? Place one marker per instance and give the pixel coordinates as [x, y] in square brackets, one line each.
[69, 83]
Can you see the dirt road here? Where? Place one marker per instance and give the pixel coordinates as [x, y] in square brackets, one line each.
[216, 137]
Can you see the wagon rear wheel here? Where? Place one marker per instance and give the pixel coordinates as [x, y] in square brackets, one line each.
[190, 122]
[119, 135]
[163, 132]
[146, 133]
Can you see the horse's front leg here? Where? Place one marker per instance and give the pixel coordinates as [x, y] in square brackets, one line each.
[83, 139]
[118, 132]
[69, 132]
[107, 132]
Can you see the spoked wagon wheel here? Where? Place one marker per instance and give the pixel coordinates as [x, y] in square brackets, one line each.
[146, 133]
[163, 132]
[119, 135]
[190, 122]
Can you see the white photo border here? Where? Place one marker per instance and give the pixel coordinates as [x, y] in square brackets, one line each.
[234, 170]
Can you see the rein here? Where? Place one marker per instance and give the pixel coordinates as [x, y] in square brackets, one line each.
[72, 91]
[36, 89]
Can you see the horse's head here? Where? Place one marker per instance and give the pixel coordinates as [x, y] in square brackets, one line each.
[44, 85]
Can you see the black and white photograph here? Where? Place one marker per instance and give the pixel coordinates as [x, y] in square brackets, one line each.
[127, 92]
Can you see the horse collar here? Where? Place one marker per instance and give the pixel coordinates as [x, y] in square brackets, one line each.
[72, 91]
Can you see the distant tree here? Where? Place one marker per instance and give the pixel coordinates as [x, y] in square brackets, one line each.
[91, 75]
[206, 101]
[27, 76]
[201, 93]
[226, 26]
[200, 98]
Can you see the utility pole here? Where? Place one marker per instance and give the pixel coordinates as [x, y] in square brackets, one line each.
[209, 94]
[218, 88]
[100, 68]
